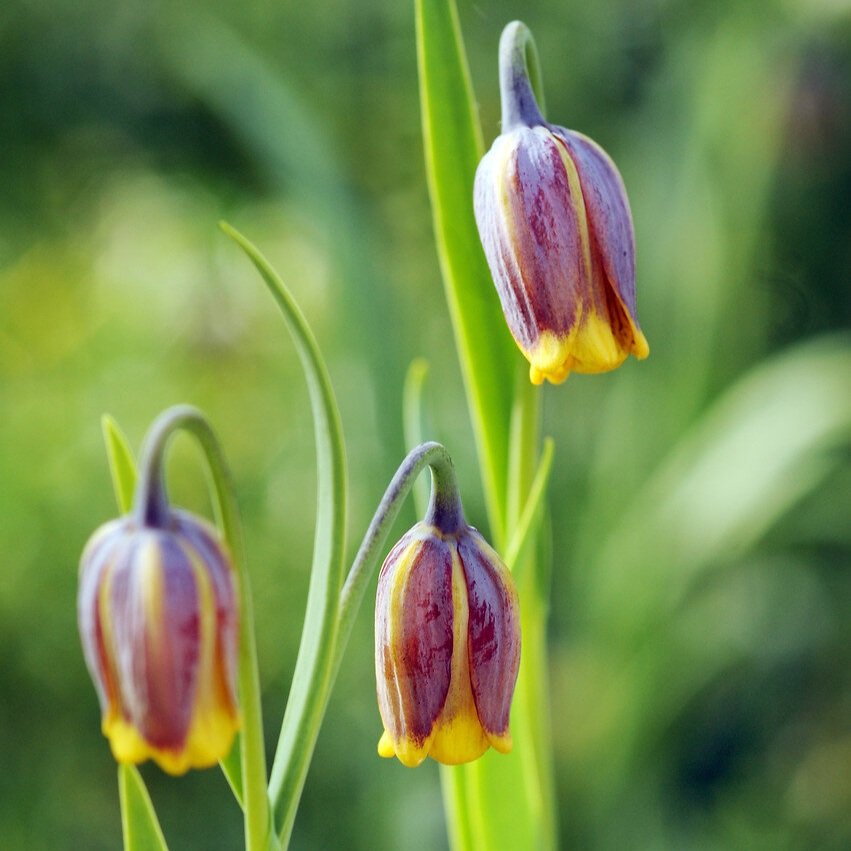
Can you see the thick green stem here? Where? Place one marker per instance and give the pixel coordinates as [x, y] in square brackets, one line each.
[530, 719]
[258, 834]
[511, 796]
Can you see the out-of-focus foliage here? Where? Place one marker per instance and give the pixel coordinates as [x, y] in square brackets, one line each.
[699, 502]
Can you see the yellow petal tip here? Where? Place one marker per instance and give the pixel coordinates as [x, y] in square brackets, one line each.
[501, 742]
[550, 359]
[385, 746]
[640, 346]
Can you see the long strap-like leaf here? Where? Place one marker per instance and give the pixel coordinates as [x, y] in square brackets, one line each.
[453, 147]
[313, 674]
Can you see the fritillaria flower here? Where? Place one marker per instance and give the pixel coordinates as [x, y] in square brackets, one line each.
[447, 644]
[556, 228]
[158, 620]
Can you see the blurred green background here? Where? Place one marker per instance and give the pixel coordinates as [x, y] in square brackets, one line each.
[701, 640]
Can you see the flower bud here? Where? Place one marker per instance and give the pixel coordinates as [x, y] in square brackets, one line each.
[556, 228]
[158, 621]
[447, 646]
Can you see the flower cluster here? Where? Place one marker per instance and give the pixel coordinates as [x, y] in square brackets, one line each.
[158, 605]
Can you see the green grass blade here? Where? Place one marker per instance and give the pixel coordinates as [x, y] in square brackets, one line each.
[139, 825]
[313, 674]
[122, 466]
[453, 147]
[525, 532]
[231, 765]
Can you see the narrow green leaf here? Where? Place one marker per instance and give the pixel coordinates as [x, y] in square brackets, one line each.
[525, 532]
[453, 147]
[122, 466]
[314, 669]
[523, 438]
[139, 825]
[231, 766]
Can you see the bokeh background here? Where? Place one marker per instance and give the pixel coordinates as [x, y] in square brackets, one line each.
[701, 644]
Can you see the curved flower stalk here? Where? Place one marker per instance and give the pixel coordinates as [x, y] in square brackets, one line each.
[556, 228]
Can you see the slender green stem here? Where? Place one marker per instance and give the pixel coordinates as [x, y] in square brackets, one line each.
[459, 809]
[530, 719]
[258, 835]
[532, 710]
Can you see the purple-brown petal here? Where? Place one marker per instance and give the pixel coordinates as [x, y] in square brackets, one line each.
[203, 540]
[104, 548]
[157, 632]
[494, 632]
[531, 220]
[547, 225]
[492, 225]
[609, 217]
[414, 638]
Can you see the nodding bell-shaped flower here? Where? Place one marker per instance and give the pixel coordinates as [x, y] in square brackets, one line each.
[447, 644]
[555, 224]
[158, 620]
